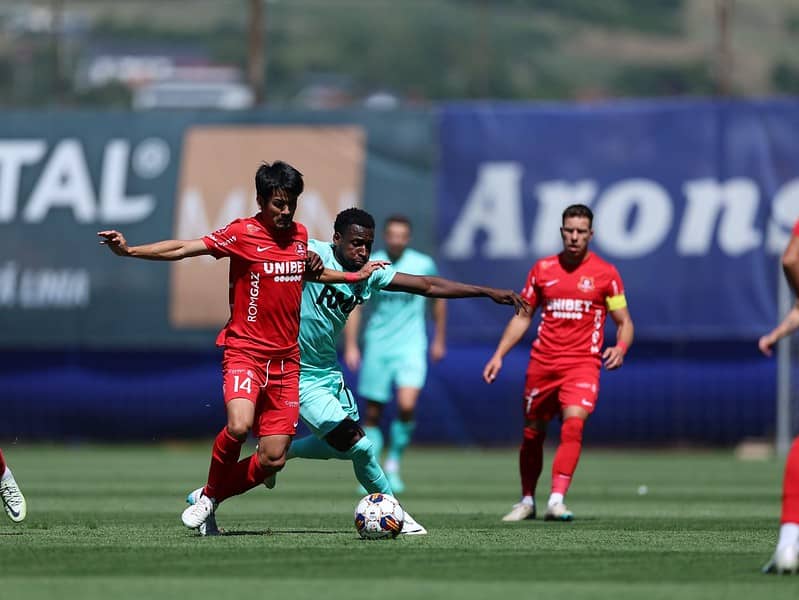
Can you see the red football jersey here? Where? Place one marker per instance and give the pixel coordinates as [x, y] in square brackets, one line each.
[795, 230]
[266, 268]
[574, 305]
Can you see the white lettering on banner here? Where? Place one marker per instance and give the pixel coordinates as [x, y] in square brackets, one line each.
[493, 206]
[632, 217]
[65, 182]
[43, 288]
[706, 198]
[193, 221]
[653, 212]
[14, 154]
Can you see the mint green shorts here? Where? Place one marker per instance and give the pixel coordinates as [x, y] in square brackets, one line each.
[381, 371]
[325, 401]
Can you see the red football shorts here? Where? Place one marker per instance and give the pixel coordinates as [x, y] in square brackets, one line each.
[548, 389]
[273, 385]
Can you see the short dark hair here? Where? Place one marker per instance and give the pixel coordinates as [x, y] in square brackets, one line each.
[578, 210]
[278, 176]
[352, 216]
[401, 219]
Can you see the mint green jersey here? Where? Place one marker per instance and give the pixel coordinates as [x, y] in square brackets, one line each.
[325, 308]
[397, 323]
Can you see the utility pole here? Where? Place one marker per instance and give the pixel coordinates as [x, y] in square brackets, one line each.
[723, 69]
[256, 63]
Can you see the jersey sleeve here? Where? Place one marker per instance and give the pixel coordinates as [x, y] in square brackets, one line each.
[795, 230]
[225, 241]
[382, 277]
[530, 289]
[614, 295]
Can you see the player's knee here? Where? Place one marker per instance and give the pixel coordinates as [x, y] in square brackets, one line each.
[271, 460]
[239, 428]
[345, 435]
[534, 435]
[572, 430]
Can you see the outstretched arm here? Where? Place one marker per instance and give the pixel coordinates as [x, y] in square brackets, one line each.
[438, 287]
[323, 275]
[788, 325]
[163, 250]
[614, 355]
[514, 331]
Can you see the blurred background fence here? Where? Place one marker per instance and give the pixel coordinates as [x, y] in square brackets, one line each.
[430, 115]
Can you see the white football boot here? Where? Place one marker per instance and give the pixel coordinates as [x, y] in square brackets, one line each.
[520, 512]
[209, 527]
[558, 512]
[411, 527]
[13, 500]
[201, 509]
[785, 560]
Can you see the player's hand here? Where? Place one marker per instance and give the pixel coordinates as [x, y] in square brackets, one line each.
[371, 267]
[613, 357]
[492, 369]
[766, 344]
[509, 297]
[352, 358]
[438, 350]
[115, 242]
[314, 264]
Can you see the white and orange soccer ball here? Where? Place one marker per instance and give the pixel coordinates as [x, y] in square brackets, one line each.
[379, 516]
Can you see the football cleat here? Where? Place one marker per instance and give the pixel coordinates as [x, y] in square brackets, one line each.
[411, 527]
[785, 560]
[520, 512]
[558, 512]
[13, 500]
[201, 507]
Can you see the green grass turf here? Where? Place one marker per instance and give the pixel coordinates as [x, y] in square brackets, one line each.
[103, 522]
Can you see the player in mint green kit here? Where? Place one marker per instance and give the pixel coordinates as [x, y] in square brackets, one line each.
[395, 348]
[326, 404]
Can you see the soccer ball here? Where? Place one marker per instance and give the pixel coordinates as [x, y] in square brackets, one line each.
[379, 516]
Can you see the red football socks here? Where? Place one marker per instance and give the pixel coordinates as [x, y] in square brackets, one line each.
[245, 475]
[224, 457]
[790, 486]
[2, 463]
[531, 459]
[568, 454]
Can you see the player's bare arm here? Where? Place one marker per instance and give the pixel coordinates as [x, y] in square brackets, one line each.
[514, 331]
[438, 347]
[438, 287]
[788, 325]
[790, 264]
[163, 250]
[334, 276]
[614, 355]
[352, 353]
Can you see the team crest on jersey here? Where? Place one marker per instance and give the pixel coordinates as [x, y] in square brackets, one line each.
[586, 284]
[252, 228]
[300, 248]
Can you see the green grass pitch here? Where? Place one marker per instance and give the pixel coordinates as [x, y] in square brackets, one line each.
[103, 522]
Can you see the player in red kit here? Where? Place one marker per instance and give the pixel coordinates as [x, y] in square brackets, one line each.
[260, 366]
[575, 291]
[13, 501]
[786, 555]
